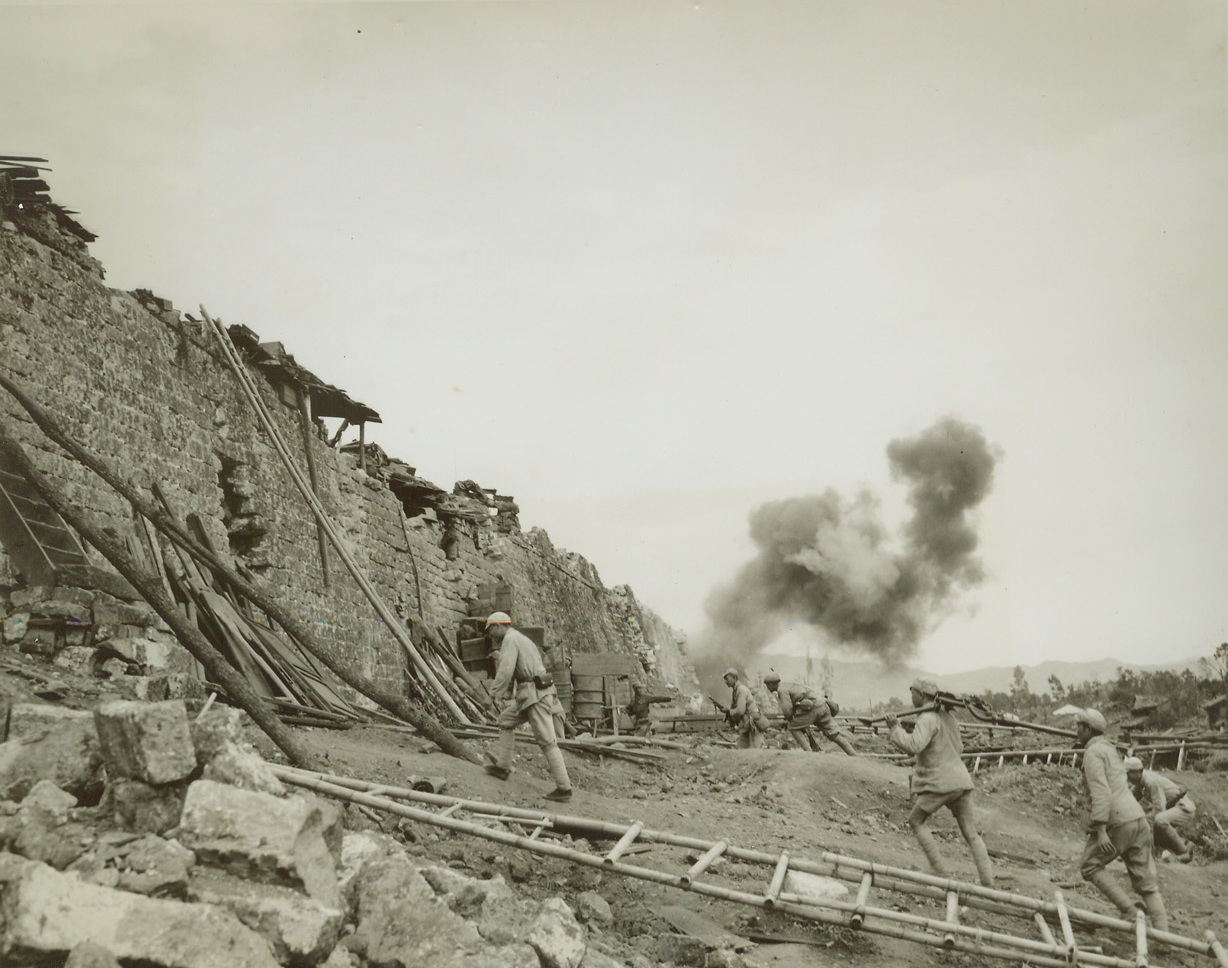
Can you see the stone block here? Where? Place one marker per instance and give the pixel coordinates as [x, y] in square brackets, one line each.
[278, 838]
[145, 809]
[49, 914]
[76, 658]
[50, 743]
[146, 741]
[556, 936]
[298, 929]
[78, 596]
[155, 867]
[21, 598]
[220, 726]
[243, 767]
[14, 627]
[154, 652]
[172, 685]
[53, 608]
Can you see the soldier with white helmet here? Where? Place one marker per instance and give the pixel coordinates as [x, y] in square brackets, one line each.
[803, 709]
[1167, 805]
[523, 685]
[1118, 827]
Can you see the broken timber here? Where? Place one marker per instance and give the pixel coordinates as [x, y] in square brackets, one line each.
[949, 932]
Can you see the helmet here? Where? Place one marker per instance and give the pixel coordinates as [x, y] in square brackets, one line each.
[771, 677]
[1092, 718]
[498, 618]
[1132, 763]
[927, 687]
[731, 671]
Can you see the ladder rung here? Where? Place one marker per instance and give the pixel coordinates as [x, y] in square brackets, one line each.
[778, 879]
[703, 863]
[948, 939]
[1046, 933]
[627, 839]
[863, 895]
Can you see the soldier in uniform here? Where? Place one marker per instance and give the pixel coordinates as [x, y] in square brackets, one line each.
[744, 712]
[803, 709]
[521, 684]
[1166, 804]
[939, 779]
[1118, 827]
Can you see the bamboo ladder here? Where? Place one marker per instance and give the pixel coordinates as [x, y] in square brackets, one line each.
[949, 932]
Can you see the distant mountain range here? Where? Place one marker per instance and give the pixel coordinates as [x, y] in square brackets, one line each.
[856, 685]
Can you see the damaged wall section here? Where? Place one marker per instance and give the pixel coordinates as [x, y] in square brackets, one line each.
[142, 385]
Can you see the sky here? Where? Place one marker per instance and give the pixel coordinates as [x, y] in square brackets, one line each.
[653, 267]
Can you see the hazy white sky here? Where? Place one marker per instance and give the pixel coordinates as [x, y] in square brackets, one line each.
[648, 265]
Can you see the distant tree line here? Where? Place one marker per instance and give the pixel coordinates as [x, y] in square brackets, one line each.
[1179, 696]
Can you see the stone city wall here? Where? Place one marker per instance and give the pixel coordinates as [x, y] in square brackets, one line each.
[146, 389]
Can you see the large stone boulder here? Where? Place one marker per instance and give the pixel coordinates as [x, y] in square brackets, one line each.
[146, 741]
[47, 742]
[294, 840]
[48, 914]
[402, 924]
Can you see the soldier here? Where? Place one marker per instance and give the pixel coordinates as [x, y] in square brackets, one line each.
[1118, 827]
[939, 779]
[803, 709]
[744, 712]
[639, 709]
[519, 675]
[1166, 805]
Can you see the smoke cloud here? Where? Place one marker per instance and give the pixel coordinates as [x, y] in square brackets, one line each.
[827, 564]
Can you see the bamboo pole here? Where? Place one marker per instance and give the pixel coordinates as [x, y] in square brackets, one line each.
[252, 393]
[427, 724]
[150, 588]
[304, 409]
[896, 924]
[831, 865]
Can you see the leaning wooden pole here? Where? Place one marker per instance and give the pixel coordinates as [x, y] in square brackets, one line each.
[248, 387]
[150, 588]
[399, 706]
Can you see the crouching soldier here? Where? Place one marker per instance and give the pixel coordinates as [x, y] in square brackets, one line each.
[743, 713]
[803, 709]
[1167, 806]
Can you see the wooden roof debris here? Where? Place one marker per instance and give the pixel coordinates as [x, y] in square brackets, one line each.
[23, 189]
[326, 399]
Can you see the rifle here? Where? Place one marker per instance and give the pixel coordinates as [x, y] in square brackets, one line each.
[723, 710]
[976, 706]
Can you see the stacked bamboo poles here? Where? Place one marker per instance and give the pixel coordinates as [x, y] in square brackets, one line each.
[302, 634]
[150, 589]
[947, 934]
[250, 391]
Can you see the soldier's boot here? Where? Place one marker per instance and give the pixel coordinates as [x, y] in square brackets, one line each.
[980, 857]
[1156, 913]
[844, 744]
[504, 750]
[1107, 885]
[930, 846]
[1166, 836]
[557, 767]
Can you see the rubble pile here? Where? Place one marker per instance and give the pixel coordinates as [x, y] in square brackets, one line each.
[95, 634]
[131, 834]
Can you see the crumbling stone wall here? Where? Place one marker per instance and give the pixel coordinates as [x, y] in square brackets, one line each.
[145, 388]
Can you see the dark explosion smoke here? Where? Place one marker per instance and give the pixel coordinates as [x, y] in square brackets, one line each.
[826, 562]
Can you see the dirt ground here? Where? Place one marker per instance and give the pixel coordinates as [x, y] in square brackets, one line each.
[805, 803]
[769, 800]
